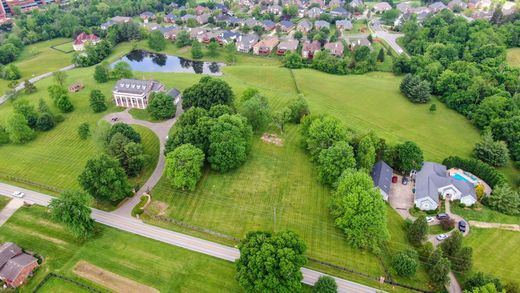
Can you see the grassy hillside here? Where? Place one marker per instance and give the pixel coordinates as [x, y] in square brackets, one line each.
[513, 57]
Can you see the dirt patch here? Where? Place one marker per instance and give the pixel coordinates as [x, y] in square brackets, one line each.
[110, 280]
[272, 139]
[157, 207]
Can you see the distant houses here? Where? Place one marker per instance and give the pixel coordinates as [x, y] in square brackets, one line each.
[15, 265]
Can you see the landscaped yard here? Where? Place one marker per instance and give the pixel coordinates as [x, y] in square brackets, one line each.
[513, 57]
[161, 266]
[484, 214]
[39, 58]
[276, 189]
[495, 252]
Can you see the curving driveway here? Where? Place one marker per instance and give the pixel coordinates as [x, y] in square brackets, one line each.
[390, 38]
[161, 129]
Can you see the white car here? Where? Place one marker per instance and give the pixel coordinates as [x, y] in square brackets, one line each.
[429, 219]
[441, 237]
[18, 194]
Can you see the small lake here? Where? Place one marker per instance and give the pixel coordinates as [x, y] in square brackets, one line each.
[145, 61]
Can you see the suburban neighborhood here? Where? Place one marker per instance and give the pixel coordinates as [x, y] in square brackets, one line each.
[259, 146]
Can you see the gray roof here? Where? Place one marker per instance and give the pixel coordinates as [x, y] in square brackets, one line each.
[136, 86]
[14, 266]
[290, 44]
[434, 176]
[8, 250]
[174, 93]
[382, 176]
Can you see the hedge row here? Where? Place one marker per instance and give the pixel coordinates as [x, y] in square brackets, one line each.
[480, 169]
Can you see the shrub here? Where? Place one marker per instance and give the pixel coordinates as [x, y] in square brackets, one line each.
[139, 208]
[405, 263]
[325, 284]
[447, 224]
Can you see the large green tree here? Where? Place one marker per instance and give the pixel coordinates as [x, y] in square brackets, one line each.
[505, 200]
[366, 153]
[183, 166]
[72, 209]
[161, 106]
[408, 156]
[334, 160]
[417, 231]
[206, 93]
[322, 133]
[490, 151]
[405, 263]
[325, 284]
[359, 210]
[271, 262]
[256, 110]
[104, 179]
[156, 41]
[230, 142]
[97, 101]
[18, 129]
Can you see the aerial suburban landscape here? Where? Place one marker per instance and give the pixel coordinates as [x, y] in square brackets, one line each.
[260, 146]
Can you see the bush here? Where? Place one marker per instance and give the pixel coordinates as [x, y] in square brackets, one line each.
[84, 131]
[480, 169]
[139, 208]
[447, 224]
[405, 263]
[325, 284]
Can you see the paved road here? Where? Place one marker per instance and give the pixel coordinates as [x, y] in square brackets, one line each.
[9, 210]
[137, 227]
[390, 38]
[161, 129]
[20, 87]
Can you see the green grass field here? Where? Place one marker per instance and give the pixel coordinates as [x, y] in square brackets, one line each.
[39, 58]
[495, 252]
[3, 202]
[58, 285]
[164, 267]
[66, 47]
[484, 214]
[513, 57]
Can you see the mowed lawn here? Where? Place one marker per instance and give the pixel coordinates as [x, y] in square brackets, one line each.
[276, 189]
[3, 202]
[485, 214]
[40, 58]
[56, 158]
[513, 57]
[495, 252]
[161, 266]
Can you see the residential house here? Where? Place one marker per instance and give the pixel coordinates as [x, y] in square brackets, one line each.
[82, 39]
[170, 32]
[134, 93]
[146, 16]
[196, 33]
[234, 21]
[115, 20]
[286, 26]
[302, 11]
[320, 3]
[433, 182]
[251, 22]
[265, 46]
[403, 7]
[199, 10]
[356, 3]
[508, 8]
[319, 24]
[304, 26]
[437, 6]
[246, 42]
[151, 26]
[481, 14]
[336, 3]
[314, 12]
[382, 7]
[335, 48]
[479, 4]
[354, 42]
[170, 18]
[222, 7]
[340, 12]
[187, 17]
[289, 45]
[382, 176]
[275, 9]
[457, 5]
[309, 49]
[344, 25]
[227, 37]
[15, 265]
[210, 35]
[268, 25]
[203, 18]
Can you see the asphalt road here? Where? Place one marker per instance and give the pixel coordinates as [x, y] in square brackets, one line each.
[390, 38]
[137, 227]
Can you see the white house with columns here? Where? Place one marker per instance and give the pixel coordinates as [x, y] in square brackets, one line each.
[135, 93]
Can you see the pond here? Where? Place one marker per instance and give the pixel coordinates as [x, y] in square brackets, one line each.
[145, 61]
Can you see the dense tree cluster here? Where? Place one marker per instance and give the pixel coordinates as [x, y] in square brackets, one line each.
[465, 64]
[271, 262]
[72, 209]
[206, 93]
[161, 106]
[490, 151]
[183, 166]
[103, 72]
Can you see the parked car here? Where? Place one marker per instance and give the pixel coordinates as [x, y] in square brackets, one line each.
[442, 216]
[394, 179]
[441, 237]
[429, 219]
[462, 226]
[405, 180]
[18, 194]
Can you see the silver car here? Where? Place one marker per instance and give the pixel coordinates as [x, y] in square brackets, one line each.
[18, 194]
[441, 237]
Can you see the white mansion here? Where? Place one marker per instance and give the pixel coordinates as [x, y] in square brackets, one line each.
[134, 93]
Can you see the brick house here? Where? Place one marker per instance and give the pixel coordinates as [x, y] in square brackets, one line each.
[15, 265]
[82, 39]
[265, 46]
[310, 48]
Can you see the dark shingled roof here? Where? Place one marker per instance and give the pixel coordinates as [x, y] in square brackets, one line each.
[14, 266]
[382, 176]
[174, 93]
[8, 250]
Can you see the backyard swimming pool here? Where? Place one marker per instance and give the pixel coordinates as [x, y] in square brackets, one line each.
[459, 176]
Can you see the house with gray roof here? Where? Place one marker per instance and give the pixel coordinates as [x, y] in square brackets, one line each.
[437, 6]
[340, 12]
[382, 176]
[319, 24]
[433, 182]
[314, 12]
[135, 93]
[15, 265]
[382, 7]
[288, 45]
[304, 26]
[245, 43]
[344, 25]
[286, 25]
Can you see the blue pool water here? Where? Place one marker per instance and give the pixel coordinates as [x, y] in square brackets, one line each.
[460, 177]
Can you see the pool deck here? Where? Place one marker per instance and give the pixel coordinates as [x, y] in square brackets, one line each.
[453, 171]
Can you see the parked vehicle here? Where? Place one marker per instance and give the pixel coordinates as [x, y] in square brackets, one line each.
[442, 216]
[405, 180]
[442, 237]
[429, 219]
[394, 179]
[462, 226]
[18, 194]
